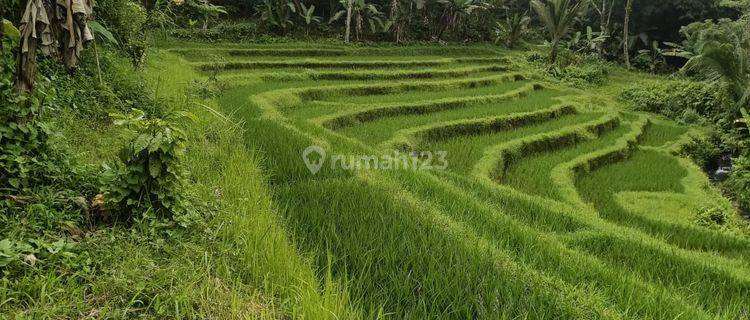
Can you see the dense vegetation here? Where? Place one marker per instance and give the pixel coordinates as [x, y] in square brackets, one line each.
[587, 159]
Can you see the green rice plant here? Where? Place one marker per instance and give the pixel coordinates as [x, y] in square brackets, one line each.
[497, 159]
[466, 153]
[384, 75]
[409, 138]
[657, 172]
[534, 174]
[721, 292]
[458, 244]
[385, 88]
[629, 247]
[309, 63]
[411, 260]
[660, 133]
[565, 175]
[387, 132]
[547, 254]
[350, 118]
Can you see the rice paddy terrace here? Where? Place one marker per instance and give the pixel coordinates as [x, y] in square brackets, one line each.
[555, 203]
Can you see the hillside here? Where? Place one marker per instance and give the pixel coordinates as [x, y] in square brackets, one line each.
[554, 202]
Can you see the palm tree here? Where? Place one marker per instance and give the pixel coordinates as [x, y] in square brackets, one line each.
[558, 17]
[513, 29]
[724, 57]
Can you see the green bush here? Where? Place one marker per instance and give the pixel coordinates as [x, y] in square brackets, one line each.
[151, 176]
[673, 99]
[225, 31]
[583, 75]
[127, 21]
[713, 217]
[738, 184]
[703, 150]
[25, 155]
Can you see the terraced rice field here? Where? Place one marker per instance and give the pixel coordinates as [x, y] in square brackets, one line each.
[554, 203]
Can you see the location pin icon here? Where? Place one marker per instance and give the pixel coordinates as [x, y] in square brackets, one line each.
[314, 157]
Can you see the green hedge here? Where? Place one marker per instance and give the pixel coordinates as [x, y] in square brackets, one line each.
[679, 99]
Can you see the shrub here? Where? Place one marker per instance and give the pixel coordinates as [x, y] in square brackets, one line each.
[703, 150]
[673, 98]
[582, 75]
[738, 184]
[225, 31]
[535, 57]
[713, 217]
[127, 21]
[151, 176]
[25, 155]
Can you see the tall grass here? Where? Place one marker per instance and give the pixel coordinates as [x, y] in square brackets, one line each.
[551, 241]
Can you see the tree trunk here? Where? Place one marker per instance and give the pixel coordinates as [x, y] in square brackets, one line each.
[358, 26]
[553, 53]
[605, 19]
[26, 67]
[348, 20]
[2, 32]
[445, 23]
[98, 66]
[626, 33]
[396, 25]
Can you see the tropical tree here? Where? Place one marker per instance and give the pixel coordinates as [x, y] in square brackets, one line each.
[361, 12]
[308, 16]
[604, 9]
[348, 4]
[558, 17]
[365, 12]
[626, 32]
[277, 13]
[206, 10]
[401, 13]
[721, 52]
[36, 30]
[453, 10]
[512, 29]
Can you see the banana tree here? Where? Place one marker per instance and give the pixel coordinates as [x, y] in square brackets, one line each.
[721, 52]
[604, 9]
[361, 12]
[364, 11]
[66, 33]
[277, 13]
[308, 16]
[206, 10]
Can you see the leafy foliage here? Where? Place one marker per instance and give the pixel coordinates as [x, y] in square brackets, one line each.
[738, 185]
[675, 99]
[512, 30]
[127, 21]
[720, 51]
[558, 17]
[24, 150]
[151, 175]
[224, 31]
